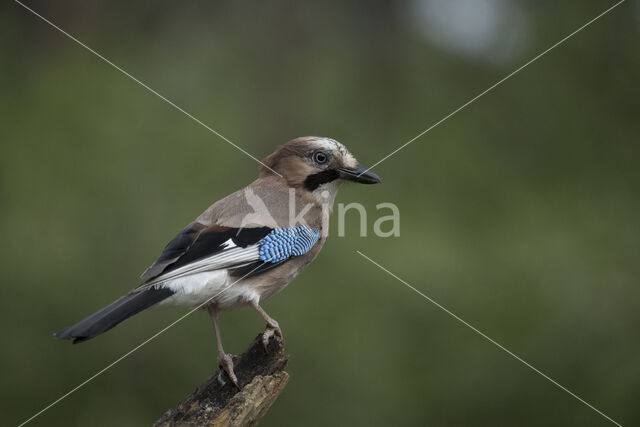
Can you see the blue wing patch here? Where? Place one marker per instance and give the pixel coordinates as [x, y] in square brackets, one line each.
[282, 243]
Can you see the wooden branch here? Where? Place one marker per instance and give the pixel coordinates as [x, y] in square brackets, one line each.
[260, 374]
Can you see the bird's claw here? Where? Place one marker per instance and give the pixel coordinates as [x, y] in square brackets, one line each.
[226, 364]
[272, 330]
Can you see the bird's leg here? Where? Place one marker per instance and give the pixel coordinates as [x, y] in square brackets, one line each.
[272, 326]
[224, 360]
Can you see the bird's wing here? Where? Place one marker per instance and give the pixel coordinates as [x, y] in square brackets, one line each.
[246, 229]
[198, 248]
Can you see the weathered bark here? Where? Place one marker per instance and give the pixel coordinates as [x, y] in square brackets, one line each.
[261, 377]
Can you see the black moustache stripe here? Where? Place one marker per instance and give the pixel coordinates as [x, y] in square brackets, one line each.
[317, 179]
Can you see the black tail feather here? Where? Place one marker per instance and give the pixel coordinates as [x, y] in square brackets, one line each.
[121, 309]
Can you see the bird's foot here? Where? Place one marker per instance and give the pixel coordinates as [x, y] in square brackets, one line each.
[226, 364]
[272, 330]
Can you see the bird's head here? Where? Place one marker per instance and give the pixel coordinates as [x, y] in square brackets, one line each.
[316, 164]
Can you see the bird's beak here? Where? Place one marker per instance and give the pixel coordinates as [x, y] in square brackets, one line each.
[359, 174]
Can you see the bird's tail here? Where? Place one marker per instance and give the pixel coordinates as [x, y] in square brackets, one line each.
[119, 310]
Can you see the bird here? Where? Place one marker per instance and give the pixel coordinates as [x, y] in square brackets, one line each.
[247, 246]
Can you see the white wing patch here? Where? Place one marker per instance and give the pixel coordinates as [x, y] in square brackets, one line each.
[229, 244]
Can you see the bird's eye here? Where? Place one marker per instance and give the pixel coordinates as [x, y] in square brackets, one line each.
[320, 157]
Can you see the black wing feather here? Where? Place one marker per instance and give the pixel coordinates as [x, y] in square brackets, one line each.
[196, 242]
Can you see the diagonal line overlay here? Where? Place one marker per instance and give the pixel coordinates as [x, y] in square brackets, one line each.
[195, 119]
[493, 86]
[491, 340]
[127, 354]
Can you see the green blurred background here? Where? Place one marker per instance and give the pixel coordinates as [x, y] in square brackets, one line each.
[520, 213]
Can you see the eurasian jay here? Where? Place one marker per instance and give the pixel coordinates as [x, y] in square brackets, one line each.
[246, 247]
